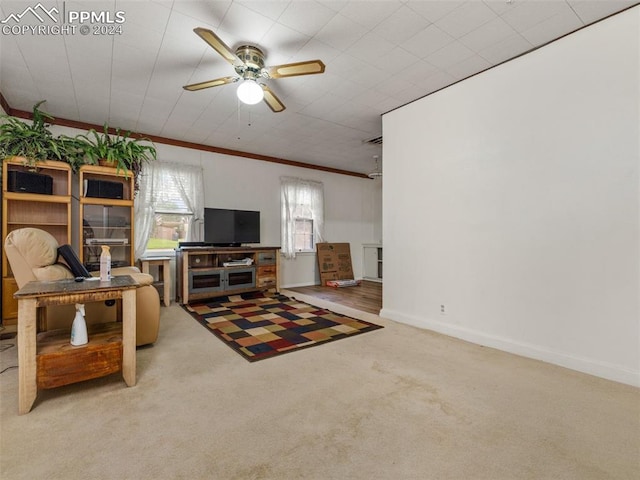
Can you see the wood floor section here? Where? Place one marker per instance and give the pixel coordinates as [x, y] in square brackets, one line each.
[366, 297]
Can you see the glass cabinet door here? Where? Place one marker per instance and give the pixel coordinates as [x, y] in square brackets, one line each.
[106, 225]
[241, 278]
[206, 280]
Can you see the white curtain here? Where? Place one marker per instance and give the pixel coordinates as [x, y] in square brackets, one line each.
[300, 199]
[187, 180]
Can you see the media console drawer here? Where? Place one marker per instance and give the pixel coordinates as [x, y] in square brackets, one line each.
[264, 282]
[269, 270]
[267, 258]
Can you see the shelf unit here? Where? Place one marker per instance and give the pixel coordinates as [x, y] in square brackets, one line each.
[60, 363]
[201, 271]
[106, 221]
[372, 262]
[51, 213]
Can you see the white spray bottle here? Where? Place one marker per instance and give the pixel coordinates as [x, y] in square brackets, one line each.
[79, 327]
[105, 264]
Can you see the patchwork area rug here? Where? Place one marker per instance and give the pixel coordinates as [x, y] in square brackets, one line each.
[259, 326]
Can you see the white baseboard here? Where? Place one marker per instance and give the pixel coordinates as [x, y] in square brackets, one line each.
[295, 285]
[307, 284]
[537, 352]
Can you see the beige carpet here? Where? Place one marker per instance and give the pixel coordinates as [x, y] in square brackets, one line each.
[397, 403]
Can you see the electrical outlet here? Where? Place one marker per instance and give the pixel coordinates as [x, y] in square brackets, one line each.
[443, 310]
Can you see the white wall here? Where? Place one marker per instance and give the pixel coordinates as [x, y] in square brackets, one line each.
[352, 205]
[512, 199]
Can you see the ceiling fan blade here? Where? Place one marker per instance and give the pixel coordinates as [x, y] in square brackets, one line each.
[219, 46]
[270, 99]
[310, 67]
[210, 83]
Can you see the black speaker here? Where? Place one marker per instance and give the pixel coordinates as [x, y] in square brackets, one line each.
[29, 182]
[102, 189]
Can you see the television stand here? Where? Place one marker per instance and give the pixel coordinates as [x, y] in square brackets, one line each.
[201, 272]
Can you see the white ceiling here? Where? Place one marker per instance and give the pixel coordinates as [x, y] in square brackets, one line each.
[378, 54]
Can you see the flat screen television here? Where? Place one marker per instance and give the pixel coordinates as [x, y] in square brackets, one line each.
[231, 228]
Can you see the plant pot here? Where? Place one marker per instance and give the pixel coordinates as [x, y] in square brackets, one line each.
[103, 162]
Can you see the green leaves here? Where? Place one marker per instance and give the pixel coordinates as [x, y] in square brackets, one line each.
[33, 141]
[36, 142]
[126, 152]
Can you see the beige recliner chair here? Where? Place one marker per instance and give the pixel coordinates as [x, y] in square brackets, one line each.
[33, 255]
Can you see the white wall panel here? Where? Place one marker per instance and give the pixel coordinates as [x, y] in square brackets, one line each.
[352, 205]
[512, 199]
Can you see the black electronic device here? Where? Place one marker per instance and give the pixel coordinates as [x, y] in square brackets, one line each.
[73, 262]
[194, 244]
[103, 189]
[29, 182]
[223, 227]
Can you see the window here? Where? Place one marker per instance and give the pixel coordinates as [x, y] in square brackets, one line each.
[303, 233]
[302, 203]
[169, 206]
[173, 217]
[169, 228]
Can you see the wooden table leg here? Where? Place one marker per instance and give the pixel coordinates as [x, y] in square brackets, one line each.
[129, 337]
[27, 370]
[166, 275]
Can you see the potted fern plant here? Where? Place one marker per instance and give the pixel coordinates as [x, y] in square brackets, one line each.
[119, 150]
[72, 151]
[33, 141]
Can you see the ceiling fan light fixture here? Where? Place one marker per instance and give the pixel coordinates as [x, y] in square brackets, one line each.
[248, 62]
[250, 92]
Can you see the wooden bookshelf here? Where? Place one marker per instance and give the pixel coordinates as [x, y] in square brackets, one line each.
[47, 211]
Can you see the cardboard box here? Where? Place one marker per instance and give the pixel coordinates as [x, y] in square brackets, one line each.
[334, 261]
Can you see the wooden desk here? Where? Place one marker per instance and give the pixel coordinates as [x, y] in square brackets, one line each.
[35, 295]
[165, 276]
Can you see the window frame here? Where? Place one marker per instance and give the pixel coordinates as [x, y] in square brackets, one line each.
[300, 200]
[297, 233]
[186, 193]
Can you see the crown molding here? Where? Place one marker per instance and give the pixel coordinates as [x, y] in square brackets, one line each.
[180, 143]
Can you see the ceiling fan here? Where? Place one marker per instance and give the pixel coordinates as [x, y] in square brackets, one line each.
[248, 62]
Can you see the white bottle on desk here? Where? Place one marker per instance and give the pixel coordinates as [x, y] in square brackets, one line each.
[105, 264]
